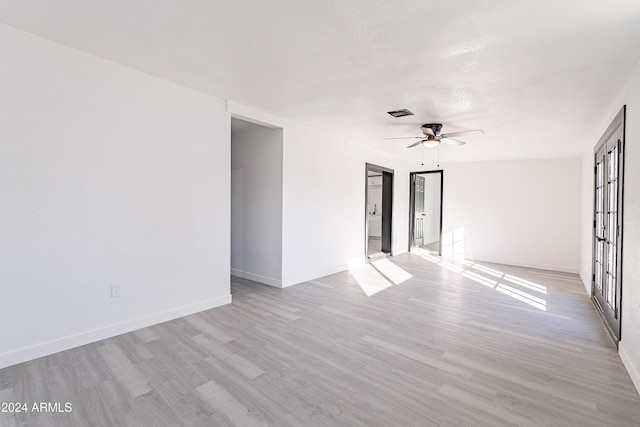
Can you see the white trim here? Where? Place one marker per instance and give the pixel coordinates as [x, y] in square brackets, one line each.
[586, 282]
[257, 278]
[320, 273]
[65, 343]
[561, 268]
[627, 361]
[252, 115]
[328, 271]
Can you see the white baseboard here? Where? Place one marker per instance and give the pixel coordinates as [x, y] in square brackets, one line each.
[634, 371]
[65, 343]
[585, 277]
[560, 268]
[257, 278]
[327, 271]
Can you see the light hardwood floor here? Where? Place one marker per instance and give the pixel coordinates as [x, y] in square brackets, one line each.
[449, 344]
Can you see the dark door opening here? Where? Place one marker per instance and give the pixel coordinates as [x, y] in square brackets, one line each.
[378, 211]
[425, 211]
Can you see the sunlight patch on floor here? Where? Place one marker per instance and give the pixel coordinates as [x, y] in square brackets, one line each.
[478, 278]
[507, 284]
[391, 271]
[526, 284]
[378, 276]
[536, 302]
[369, 279]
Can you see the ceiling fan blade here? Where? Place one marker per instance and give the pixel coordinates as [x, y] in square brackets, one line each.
[407, 137]
[452, 141]
[462, 132]
[415, 144]
[428, 131]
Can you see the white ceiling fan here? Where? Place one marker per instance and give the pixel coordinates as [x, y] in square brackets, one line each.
[432, 137]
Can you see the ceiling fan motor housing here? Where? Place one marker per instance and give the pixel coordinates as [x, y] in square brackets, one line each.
[435, 127]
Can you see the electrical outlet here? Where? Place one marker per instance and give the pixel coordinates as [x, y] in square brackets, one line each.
[115, 291]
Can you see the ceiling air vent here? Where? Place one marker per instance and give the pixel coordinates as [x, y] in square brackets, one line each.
[401, 113]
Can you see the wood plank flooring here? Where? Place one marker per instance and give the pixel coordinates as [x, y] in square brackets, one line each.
[449, 344]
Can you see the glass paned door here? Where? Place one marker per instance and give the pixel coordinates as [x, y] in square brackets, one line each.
[418, 231]
[607, 224]
[599, 259]
[612, 226]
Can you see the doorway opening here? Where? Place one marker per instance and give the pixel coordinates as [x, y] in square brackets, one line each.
[378, 211]
[425, 212]
[256, 202]
[606, 286]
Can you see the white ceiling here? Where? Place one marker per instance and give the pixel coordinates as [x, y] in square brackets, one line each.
[540, 77]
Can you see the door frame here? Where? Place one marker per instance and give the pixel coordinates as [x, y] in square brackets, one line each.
[386, 208]
[612, 320]
[412, 201]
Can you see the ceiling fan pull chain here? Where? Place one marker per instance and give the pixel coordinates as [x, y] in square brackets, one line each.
[438, 155]
[422, 154]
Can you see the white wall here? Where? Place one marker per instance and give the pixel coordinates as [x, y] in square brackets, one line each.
[107, 176]
[256, 204]
[333, 224]
[586, 217]
[323, 214]
[630, 330]
[514, 212]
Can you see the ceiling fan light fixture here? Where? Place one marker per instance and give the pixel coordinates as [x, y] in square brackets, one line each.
[431, 136]
[430, 143]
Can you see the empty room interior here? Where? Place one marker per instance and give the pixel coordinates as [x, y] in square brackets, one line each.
[421, 213]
